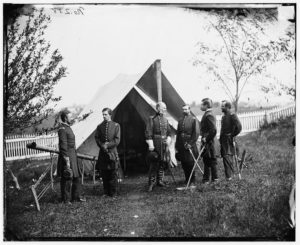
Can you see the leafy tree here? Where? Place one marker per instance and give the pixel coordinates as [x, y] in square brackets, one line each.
[243, 49]
[279, 88]
[32, 71]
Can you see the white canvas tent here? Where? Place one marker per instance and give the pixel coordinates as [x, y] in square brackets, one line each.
[132, 99]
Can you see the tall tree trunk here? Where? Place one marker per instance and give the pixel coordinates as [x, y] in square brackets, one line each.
[235, 104]
[236, 96]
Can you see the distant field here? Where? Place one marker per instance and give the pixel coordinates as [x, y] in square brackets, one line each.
[255, 208]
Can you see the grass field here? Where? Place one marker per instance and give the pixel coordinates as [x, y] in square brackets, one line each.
[254, 208]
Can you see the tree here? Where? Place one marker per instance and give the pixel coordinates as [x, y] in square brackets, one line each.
[242, 51]
[277, 86]
[32, 71]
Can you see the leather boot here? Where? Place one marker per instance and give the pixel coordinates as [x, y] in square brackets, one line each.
[160, 176]
[150, 189]
[161, 184]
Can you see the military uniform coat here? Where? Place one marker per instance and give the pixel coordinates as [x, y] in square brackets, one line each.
[67, 148]
[230, 127]
[208, 130]
[158, 129]
[109, 132]
[187, 132]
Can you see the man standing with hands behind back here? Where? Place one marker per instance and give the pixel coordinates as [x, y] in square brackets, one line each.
[107, 137]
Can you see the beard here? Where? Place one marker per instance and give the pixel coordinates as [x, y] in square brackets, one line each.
[160, 112]
[67, 120]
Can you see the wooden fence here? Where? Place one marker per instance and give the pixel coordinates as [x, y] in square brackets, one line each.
[15, 146]
[251, 121]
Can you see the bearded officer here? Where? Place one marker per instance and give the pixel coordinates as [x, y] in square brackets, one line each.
[208, 131]
[230, 128]
[158, 138]
[187, 136]
[107, 137]
[67, 165]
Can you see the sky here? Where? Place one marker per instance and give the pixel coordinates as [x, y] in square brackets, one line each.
[102, 41]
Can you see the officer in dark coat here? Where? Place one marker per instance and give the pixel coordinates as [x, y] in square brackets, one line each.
[187, 136]
[208, 131]
[67, 161]
[230, 128]
[158, 138]
[107, 137]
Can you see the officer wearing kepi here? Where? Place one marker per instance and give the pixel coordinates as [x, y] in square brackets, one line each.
[107, 137]
[158, 138]
[187, 136]
[230, 128]
[208, 131]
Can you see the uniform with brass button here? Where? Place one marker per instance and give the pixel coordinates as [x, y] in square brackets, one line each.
[107, 137]
[158, 137]
[187, 135]
[230, 128]
[67, 165]
[208, 131]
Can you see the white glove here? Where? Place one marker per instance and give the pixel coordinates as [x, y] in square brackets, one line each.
[169, 140]
[150, 145]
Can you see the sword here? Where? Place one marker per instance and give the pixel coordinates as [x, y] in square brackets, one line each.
[195, 164]
[236, 160]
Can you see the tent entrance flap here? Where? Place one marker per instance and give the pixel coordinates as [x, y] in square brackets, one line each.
[131, 114]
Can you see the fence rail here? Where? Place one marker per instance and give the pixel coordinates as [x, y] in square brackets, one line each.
[15, 148]
[251, 121]
[15, 145]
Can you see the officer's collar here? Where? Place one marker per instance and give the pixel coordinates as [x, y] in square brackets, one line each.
[209, 109]
[66, 124]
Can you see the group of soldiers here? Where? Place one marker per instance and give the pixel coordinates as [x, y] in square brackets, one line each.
[158, 139]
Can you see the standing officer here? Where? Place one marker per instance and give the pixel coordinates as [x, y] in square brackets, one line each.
[67, 165]
[208, 131]
[187, 135]
[158, 138]
[108, 138]
[230, 128]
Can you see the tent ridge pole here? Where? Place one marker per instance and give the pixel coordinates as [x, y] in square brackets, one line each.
[158, 79]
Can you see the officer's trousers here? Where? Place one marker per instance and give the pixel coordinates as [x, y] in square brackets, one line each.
[228, 165]
[65, 188]
[210, 169]
[187, 169]
[110, 181]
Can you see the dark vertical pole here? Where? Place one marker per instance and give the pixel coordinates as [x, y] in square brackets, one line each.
[158, 80]
[5, 58]
[124, 148]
